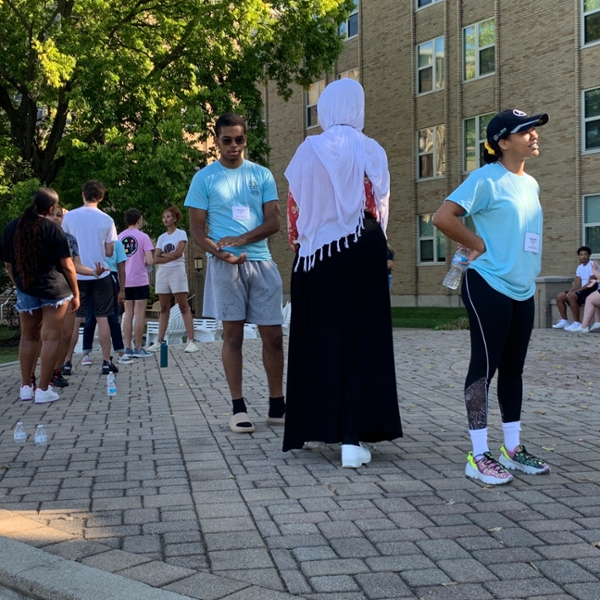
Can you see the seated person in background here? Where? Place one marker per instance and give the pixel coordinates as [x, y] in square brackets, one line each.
[575, 297]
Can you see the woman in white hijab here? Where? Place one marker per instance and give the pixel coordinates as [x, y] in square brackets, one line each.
[341, 379]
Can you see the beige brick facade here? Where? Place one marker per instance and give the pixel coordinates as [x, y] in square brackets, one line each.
[540, 65]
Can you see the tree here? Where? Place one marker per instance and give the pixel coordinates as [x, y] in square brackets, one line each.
[123, 90]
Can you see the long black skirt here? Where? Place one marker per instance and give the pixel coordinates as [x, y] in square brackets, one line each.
[341, 375]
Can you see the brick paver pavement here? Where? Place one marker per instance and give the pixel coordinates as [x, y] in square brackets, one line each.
[152, 485]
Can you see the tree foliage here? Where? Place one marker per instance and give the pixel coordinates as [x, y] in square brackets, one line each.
[123, 90]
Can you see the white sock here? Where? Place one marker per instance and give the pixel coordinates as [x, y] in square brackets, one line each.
[512, 439]
[479, 441]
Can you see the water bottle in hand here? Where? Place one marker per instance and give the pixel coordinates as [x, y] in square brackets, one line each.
[457, 268]
[111, 384]
[20, 435]
[40, 437]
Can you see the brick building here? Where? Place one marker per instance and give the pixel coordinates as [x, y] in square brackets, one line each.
[434, 72]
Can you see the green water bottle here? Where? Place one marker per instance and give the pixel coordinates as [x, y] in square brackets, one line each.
[164, 354]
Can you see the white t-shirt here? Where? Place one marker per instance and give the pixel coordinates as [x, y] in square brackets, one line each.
[91, 228]
[168, 242]
[584, 272]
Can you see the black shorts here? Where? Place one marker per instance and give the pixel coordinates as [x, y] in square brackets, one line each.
[101, 293]
[583, 294]
[141, 292]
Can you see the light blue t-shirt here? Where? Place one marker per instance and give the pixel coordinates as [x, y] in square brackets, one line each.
[117, 257]
[233, 199]
[504, 207]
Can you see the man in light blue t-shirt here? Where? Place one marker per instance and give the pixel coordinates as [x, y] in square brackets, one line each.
[234, 208]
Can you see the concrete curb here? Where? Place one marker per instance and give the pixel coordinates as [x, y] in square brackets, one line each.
[38, 574]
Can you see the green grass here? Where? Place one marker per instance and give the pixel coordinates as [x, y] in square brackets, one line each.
[9, 348]
[429, 317]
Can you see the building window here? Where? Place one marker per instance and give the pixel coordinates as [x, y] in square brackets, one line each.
[478, 49]
[474, 136]
[591, 222]
[351, 74]
[349, 28]
[591, 119]
[430, 66]
[431, 145]
[591, 21]
[312, 97]
[432, 243]
[421, 3]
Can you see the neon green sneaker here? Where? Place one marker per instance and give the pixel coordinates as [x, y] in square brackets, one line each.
[487, 469]
[521, 460]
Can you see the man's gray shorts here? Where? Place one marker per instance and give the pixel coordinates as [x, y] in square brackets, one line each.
[251, 292]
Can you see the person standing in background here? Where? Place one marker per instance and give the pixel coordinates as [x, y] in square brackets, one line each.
[138, 248]
[171, 278]
[96, 234]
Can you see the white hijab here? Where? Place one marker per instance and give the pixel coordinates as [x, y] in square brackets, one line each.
[326, 175]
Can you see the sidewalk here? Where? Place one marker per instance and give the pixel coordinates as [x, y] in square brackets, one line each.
[149, 495]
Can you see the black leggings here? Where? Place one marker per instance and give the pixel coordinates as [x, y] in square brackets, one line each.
[500, 332]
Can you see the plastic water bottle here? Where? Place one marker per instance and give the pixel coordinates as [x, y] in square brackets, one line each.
[40, 437]
[20, 435]
[111, 384]
[457, 268]
[164, 354]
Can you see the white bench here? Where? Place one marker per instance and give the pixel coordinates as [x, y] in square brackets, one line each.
[207, 330]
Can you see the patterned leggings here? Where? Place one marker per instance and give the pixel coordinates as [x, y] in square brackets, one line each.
[500, 332]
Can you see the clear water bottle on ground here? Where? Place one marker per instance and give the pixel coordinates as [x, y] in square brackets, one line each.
[111, 384]
[457, 268]
[40, 437]
[20, 435]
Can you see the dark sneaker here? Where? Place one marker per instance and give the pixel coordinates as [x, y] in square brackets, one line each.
[487, 469]
[66, 368]
[109, 367]
[57, 380]
[521, 460]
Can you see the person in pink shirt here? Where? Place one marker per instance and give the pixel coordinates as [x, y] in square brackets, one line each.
[138, 248]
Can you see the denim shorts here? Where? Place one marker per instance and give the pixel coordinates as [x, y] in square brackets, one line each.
[27, 303]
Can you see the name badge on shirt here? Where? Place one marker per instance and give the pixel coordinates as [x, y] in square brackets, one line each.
[532, 242]
[240, 213]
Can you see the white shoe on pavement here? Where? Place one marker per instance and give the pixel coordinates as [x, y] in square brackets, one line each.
[154, 347]
[574, 325]
[354, 456]
[191, 346]
[45, 396]
[561, 324]
[595, 326]
[579, 329]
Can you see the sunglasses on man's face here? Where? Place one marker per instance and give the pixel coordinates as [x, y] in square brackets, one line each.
[239, 140]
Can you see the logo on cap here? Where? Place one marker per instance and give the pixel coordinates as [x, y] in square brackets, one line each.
[519, 113]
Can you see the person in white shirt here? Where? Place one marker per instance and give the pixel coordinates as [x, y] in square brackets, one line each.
[580, 290]
[96, 235]
[171, 278]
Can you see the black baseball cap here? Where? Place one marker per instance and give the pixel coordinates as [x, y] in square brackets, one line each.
[512, 121]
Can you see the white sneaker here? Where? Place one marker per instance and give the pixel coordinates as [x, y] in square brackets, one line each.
[191, 346]
[86, 361]
[154, 347]
[595, 326]
[579, 329]
[26, 392]
[124, 359]
[45, 396]
[354, 456]
[574, 325]
[561, 324]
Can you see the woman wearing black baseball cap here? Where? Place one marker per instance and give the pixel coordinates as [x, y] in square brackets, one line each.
[499, 285]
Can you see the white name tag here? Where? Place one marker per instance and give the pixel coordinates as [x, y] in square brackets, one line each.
[240, 213]
[532, 242]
